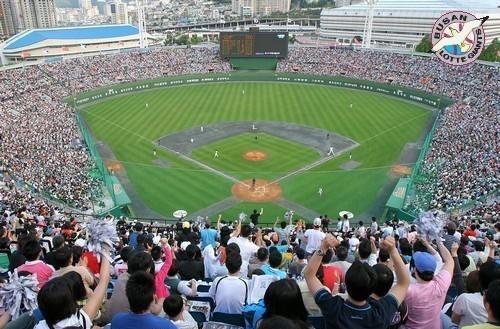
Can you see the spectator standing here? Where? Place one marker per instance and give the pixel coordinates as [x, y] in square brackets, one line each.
[314, 237]
[230, 292]
[426, 297]
[358, 311]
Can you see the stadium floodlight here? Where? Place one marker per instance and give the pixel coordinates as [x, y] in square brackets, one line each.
[141, 21]
[367, 33]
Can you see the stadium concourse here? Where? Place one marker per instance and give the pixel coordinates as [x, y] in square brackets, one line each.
[184, 275]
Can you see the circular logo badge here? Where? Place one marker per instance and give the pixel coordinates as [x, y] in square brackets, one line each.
[458, 37]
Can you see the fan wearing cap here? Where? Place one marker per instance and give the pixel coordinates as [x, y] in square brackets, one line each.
[314, 237]
[426, 296]
[451, 235]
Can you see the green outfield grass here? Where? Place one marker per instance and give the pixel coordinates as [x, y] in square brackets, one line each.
[282, 156]
[381, 125]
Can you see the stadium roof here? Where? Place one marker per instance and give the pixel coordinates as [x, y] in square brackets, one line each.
[429, 5]
[34, 36]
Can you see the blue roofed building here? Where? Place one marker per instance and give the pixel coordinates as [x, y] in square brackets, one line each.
[53, 43]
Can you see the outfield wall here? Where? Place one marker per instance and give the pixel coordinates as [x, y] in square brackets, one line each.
[344, 82]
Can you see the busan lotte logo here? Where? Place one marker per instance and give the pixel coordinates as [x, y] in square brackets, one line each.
[458, 37]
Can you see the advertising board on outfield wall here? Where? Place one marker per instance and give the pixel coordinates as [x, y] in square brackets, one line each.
[386, 89]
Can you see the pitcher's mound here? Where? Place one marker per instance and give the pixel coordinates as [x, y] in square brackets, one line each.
[255, 155]
[263, 191]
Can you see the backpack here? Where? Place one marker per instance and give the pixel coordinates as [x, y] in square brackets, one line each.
[252, 313]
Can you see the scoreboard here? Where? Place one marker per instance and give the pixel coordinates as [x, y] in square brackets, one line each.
[254, 44]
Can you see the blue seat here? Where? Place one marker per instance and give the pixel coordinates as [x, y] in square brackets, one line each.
[233, 319]
[203, 288]
[111, 286]
[199, 317]
[318, 322]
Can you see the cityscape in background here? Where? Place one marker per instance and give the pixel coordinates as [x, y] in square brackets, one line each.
[62, 28]
[19, 15]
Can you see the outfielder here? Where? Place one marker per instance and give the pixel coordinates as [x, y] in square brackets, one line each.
[216, 154]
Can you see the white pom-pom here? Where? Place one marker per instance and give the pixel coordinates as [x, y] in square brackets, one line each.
[429, 225]
[242, 216]
[19, 294]
[101, 236]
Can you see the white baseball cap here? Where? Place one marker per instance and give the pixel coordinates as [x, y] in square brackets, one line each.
[317, 221]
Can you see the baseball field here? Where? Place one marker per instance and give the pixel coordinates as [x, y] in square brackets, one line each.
[234, 147]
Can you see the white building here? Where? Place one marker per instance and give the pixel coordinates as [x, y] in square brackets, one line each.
[260, 7]
[402, 23]
[51, 44]
[119, 12]
[38, 13]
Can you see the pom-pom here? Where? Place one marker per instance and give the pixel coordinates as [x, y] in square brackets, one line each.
[242, 216]
[101, 236]
[429, 225]
[19, 294]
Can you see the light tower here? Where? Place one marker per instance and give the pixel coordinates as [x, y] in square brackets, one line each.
[141, 19]
[367, 33]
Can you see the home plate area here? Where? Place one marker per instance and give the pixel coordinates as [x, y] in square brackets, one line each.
[262, 191]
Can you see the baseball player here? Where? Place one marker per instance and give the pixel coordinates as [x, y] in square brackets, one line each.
[331, 152]
[216, 154]
[320, 191]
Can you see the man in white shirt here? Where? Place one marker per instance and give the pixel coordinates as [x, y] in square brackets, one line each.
[230, 292]
[248, 249]
[374, 226]
[314, 237]
[345, 224]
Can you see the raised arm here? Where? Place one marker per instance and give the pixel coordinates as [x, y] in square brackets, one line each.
[402, 276]
[310, 270]
[457, 272]
[447, 259]
[218, 222]
[94, 302]
[261, 211]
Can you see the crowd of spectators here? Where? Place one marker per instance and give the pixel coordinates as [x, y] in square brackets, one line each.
[39, 139]
[463, 163]
[297, 274]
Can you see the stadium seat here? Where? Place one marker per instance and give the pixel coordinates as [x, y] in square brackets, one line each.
[219, 325]
[203, 288]
[318, 322]
[204, 299]
[199, 317]
[233, 319]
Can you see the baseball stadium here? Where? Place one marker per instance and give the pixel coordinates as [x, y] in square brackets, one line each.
[248, 182]
[210, 131]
